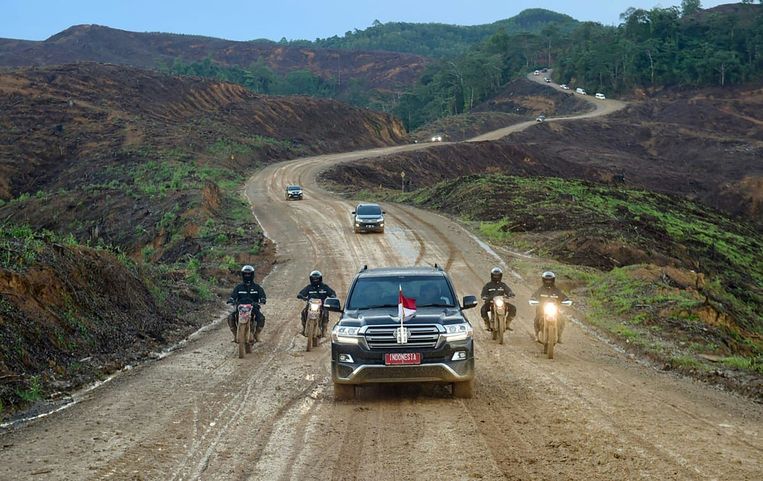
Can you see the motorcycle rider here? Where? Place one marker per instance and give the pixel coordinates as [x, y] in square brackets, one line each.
[496, 288]
[316, 289]
[248, 292]
[548, 291]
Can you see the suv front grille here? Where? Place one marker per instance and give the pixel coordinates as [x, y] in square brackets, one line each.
[383, 337]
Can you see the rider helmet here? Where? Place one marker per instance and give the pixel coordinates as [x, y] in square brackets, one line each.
[316, 278]
[247, 274]
[548, 279]
[496, 274]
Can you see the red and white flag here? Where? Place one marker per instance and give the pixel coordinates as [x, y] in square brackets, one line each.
[406, 307]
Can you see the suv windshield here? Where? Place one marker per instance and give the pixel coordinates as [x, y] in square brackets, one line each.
[369, 210]
[377, 292]
[294, 187]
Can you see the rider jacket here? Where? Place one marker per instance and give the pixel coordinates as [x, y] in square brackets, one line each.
[493, 289]
[549, 293]
[251, 293]
[321, 291]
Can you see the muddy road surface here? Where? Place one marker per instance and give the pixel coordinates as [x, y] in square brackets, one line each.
[202, 413]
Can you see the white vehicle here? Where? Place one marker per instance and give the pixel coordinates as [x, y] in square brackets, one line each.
[580, 91]
[564, 87]
[537, 72]
[541, 118]
[600, 96]
[547, 80]
[437, 138]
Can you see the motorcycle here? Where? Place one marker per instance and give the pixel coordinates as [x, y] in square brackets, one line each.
[549, 329]
[499, 317]
[313, 326]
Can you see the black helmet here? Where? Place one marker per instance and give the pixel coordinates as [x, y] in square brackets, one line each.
[316, 278]
[496, 274]
[247, 274]
[548, 279]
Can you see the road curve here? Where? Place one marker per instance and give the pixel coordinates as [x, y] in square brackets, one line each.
[201, 413]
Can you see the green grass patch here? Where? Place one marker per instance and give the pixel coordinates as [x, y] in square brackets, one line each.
[33, 390]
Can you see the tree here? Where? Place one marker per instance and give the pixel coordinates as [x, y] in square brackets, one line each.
[690, 6]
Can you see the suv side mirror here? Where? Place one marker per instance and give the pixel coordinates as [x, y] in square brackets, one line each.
[384, 212]
[332, 304]
[353, 212]
[469, 302]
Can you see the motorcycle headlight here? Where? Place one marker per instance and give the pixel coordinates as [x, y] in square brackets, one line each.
[345, 335]
[498, 301]
[550, 309]
[458, 332]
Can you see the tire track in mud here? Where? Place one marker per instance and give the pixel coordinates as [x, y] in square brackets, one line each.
[264, 436]
[238, 403]
[419, 240]
[450, 247]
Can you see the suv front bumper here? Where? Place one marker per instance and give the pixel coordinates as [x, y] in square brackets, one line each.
[436, 365]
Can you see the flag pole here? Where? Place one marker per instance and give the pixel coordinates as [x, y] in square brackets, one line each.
[401, 311]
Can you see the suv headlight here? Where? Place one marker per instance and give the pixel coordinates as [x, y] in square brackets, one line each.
[458, 332]
[345, 335]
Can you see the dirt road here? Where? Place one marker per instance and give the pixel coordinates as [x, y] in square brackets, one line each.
[201, 413]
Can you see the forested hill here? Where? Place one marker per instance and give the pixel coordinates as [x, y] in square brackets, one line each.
[649, 50]
[440, 40]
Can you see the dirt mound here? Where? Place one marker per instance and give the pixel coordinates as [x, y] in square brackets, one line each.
[94, 43]
[69, 313]
[524, 97]
[62, 125]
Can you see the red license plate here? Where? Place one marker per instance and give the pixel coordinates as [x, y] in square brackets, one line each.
[398, 358]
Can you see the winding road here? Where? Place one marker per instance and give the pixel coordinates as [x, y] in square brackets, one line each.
[202, 413]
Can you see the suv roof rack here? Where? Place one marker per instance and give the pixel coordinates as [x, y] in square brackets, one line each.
[364, 268]
[437, 267]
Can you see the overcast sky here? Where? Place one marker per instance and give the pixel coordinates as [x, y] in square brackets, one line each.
[293, 19]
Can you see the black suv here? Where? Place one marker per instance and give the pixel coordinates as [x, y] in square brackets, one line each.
[294, 192]
[370, 345]
[368, 218]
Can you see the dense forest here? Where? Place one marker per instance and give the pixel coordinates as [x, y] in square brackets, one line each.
[653, 48]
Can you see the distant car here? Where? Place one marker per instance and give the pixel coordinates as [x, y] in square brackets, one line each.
[547, 80]
[437, 138]
[537, 72]
[544, 69]
[541, 118]
[580, 91]
[564, 87]
[368, 218]
[600, 96]
[294, 192]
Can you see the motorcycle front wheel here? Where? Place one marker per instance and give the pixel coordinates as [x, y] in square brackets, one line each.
[310, 331]
[242, 337]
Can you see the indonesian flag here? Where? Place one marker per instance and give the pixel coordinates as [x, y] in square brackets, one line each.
[406, 307]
